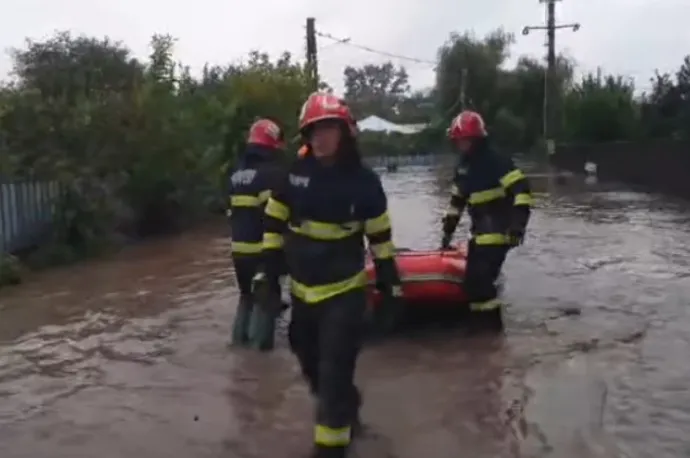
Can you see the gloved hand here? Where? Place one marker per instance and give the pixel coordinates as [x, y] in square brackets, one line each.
[392, 307]
[445, 241]
[516, 237]
[264, 287]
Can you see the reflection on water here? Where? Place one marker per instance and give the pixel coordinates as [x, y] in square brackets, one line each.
[127, 356]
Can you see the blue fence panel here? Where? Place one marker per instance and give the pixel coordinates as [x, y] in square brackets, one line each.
[26, 212]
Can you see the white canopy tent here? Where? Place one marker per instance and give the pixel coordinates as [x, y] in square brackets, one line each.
[376, 124]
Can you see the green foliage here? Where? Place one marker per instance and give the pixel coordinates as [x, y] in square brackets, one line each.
[600, 110]
[137, 147]
[472, 73]
[375, 89]
[143, 147]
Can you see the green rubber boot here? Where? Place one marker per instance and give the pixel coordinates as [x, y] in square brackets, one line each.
[241, 326]
[263, 327]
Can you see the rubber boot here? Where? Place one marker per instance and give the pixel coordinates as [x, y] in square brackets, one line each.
[319, 451]
[489, 321]
[240, 327]
[263, 327]
[357, 426]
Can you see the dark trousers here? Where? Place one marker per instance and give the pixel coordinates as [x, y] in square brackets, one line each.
[246, 267]
[327, 338]
[484, 264]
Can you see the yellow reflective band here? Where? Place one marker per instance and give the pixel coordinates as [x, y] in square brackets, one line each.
[491, 239]
[326, 231]
[332, 437]
[379, 224]
[244, 201]
[320, 293]
[455, 191]
[523, 199]
[264, 196]
[385, 250]
[272, 241]
[277, 210]
[452, 211]
[483, 197]
[492, 304]
[512, 177]
[247, 247]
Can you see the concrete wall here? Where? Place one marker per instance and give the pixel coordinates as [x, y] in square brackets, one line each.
[659, 165]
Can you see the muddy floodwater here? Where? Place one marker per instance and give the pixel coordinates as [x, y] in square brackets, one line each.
[127, 357]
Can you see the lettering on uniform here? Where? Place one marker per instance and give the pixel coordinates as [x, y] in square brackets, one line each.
[299, 181]
[462, 171]
[243, 177]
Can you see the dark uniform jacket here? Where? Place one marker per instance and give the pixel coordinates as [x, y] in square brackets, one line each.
[250, 184]
[316, 222]
[497, 196]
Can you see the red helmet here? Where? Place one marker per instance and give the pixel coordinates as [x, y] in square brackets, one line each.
[321, 106]
[267, 133]
[468, 124]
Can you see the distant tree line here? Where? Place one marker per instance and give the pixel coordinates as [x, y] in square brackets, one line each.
[142, 147]
[595, 108]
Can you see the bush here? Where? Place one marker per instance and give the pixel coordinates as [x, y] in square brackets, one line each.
[138, 148]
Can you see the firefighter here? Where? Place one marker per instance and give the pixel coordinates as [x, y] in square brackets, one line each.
[316, 224]
[250, 185]
[498, 199]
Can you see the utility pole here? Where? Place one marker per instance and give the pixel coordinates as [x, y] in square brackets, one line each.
[463, 90]
[312, 60]
[551, 89]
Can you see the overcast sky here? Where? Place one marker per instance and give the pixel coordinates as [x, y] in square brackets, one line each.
[625, 36]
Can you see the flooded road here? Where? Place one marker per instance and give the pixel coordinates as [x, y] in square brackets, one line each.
[127, 356]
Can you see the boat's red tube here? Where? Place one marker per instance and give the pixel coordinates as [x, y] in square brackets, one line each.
[429, 277]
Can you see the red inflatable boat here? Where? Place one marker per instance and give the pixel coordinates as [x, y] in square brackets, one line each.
[428, 277]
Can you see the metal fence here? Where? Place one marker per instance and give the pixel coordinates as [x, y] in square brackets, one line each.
[26, 211]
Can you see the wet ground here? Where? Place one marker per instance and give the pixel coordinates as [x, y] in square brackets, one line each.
[126, 357]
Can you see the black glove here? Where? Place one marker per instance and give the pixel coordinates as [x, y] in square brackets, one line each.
[516, 237]
[392, 308]
[266, 290]
[445, 241]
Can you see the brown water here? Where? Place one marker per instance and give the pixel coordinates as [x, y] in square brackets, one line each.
[127, 357]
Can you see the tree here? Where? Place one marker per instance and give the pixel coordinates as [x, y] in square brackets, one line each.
[68, 67]
[376, 89]
[601, 109]
[418, 107]
[138, 147]
[666, 110]
[470, 67]
[471, 74]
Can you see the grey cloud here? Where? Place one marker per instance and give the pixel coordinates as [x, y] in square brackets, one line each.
[623, 36]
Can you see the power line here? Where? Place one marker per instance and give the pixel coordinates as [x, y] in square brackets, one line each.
[348, 42]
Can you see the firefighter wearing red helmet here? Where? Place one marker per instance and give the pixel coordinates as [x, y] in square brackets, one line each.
[316, 224]
[250, 184]
[498, 199]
